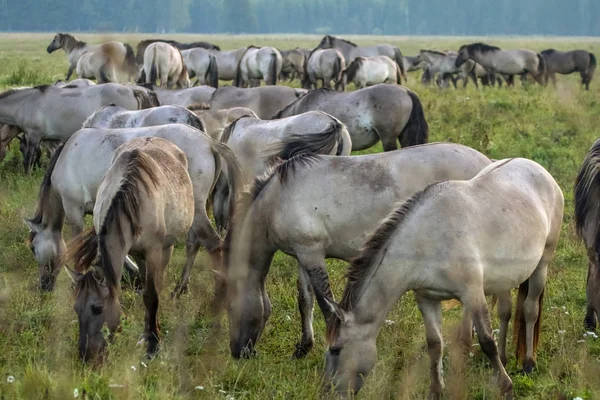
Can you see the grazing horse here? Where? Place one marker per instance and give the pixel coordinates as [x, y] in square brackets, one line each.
[381, 112]
[326, 65]
[292, 66]
[182, 97]
[369, 71]
[336, 202]
[165, 62]
[114, 117]
[53, 113]
[587, 217]
[215, 121]
[258, 143]
[453, 240]
[351, 50]
[265, 101]
[71, 182]
[506, 62]
[144, 201]
[202, 64]
[567, 62]
[141, 47]
[119, 55]
[258, 63]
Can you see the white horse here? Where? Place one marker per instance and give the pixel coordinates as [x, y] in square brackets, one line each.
[202, 64]
[119, 55]
[161, 60]
[54, 113]
[258, 63]
[71, 182]
[369, 71]
[118, 117]
[326, 65]
[454, 240]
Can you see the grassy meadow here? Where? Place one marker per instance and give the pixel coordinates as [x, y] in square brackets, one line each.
[38, 331]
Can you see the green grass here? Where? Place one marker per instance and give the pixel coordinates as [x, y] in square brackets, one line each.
[38, 332]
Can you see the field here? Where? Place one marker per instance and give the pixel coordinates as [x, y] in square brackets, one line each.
[38, 331]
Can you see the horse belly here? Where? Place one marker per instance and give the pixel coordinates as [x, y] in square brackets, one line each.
[362, 131]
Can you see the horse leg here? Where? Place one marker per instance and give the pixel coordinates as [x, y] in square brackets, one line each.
[504, 314]
[313, 262]
[431, 310]
[70, 72]
[510, 81]
[156, 260]
[389, 143]
[465, 331]
[327, 83]
[475, 302]
[306, 303]
[592, 289]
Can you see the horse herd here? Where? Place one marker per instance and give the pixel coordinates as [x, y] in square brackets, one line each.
[440, 219]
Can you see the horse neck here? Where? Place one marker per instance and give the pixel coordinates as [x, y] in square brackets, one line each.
[11, 104]
[112, 252]
[345, 48]
[52, 210]
[72, 44]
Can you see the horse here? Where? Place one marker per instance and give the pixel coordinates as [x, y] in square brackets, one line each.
[351, 50]
[141, 47]
[567, 62]
[326, 65]
[182, 97]
[258, 63]
[292, 66]
[369, 71]
[587, 215]
[453, 240]
[380, 112]
[119, 55]
[227, 62]
[336, 202]
[71, 182]
[215, 121]
[95, 65]
[161, 60]
[258, 143]
[144, 202]
[506, 62]
[202, 64]
[75, 83]
[52, 113]
[118, 117]
[265, 101]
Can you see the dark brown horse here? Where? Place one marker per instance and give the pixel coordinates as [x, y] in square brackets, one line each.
[567, 62]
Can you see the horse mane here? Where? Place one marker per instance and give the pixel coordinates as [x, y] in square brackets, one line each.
[480, 47]
[71, 41]
[353, 68]
[548, 51]
[311, 93]
[434, 52]
[198, 107]
[126, 203]
[364, 265]
[45, 190]
[43, 88]
[343, 40]
[226, 134]
[586, 193]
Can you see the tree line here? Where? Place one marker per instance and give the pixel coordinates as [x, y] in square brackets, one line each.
[387, 17]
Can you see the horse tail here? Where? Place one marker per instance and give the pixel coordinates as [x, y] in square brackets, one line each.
[194, 121]
[337, 68]
[591, 67]
[234, 175]
[519, 332]
[416, 130]
[587, 196]
[333, 140]
[400, 62]
[211, 77]
[129, 63]
[153, 68]
[273, 69]
[145, 99]
[542, 72]
[82, 250]
[102, 75]
[398, 74]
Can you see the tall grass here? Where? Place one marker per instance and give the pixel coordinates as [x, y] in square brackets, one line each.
[38, 332]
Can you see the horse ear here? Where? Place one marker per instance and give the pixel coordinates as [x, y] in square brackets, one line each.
[336, 310]
[74, 275]
[33, 227]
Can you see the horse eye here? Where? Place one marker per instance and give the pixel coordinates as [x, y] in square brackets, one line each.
[96, 310]
[335, 351]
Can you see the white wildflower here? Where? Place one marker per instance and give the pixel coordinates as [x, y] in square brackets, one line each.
[199, 388]
[581, 341]
[562, 332]
[564, 308]
[566, 313]
[471, 355]
[133, 367]
[496, 331]
[10, 379]
[577, 398]
[229, 397]
[75, 393]
[144, 365]
[287, 317]
[222, 391]
[389, 322]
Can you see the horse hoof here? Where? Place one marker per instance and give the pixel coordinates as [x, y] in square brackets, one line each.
[302, 350]
[178, 291]
[589, 324]
[528, 366]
